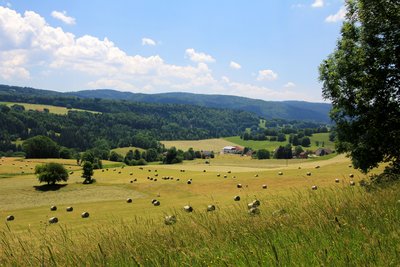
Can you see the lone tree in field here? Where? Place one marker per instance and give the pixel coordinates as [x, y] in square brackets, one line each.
[51, 173]
[87, 172]
[361, 78]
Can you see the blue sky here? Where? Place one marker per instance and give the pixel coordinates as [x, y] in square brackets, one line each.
[260, 49]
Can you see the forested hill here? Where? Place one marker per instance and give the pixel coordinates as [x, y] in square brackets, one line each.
[120, 123]
[288, 110]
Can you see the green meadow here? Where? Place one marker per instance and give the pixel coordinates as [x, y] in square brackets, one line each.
[40, 107]
[337, 224]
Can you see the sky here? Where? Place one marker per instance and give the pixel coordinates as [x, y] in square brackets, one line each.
[262, 49]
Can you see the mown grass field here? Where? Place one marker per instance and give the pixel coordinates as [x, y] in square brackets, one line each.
[123, 150]
[215, 144]
[40, 107]
[271, 146]
[302, 231]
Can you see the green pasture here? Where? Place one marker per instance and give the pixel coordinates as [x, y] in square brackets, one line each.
[40, 107]
[123, 150]
[215, 144]
[271, 146]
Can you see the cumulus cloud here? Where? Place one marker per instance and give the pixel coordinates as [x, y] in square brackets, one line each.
[198, 56]
[318, 3]
[235, 65]
[63, 17]
[339, 16]
[30, 45]
[267, 75]
[148, 41]
[290, 85]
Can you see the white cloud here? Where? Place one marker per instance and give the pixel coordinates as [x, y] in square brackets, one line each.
[318, 3]
[148, 41]
[29, 45]
[290, 85]
[339, 16]
[198, 56]
[63, 17]
[235, 65]
[266, 75]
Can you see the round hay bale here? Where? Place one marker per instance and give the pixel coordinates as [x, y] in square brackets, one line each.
[102, 170]
[69, 209]
[225, 176]
[131, 173]
[107, 169]
[187, 208]
[151, 178]
[317, 167]
[254, 211]
[135, 180]
[314, 187]
[131, 181]
[156, 203]
[155, 179]
[149, 170]
[256, 203]
[236, 198]
[210, 207]
[53, 220]
[204, 170]
[177, 180]
[256, 175]
[299, 168]
[10, 218]
[280, 173]
[234, 177]
[218, 175]
[350, 165]
[170, 219]
[351, 175]
[85, 214]
[119, 172]
[115, 170]
[229, 171]
[239, 185]
[155, 170]
[71, 173]
[53, 208]
[308, 173]
[156, 175]
[153, 201]
[337, 180]
[264, 186]
[129, 200]
[189, 181]
[352, 183]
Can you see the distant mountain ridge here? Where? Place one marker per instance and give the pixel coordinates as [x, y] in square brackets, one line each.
[289, 110]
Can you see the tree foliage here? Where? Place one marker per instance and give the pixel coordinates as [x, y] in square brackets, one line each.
[87, 172]
[51, 173]
[40, 147]
[361, 78]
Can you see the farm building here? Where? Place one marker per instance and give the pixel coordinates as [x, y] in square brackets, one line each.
[323, 151]
[232, 150]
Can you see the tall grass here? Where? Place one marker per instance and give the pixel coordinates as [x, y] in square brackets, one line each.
[336, 227]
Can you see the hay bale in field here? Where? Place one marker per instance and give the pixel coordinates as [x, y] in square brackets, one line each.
[236, 198]
[155, 179]
[119, 172]
[204, 170]
[254, 211]
[314, 187]
[189, 181]
[254, 204]
[156, 174]
[107, 169]
[71, 173]
[156, 203]
[350, 165]
[299, 168]
[151, 178]
[69, 209]
[129, 200]
[135, 180]
[187, 208]
[218, 175]
[239, 185]
[308, 173]
[131, 181]
[170, 219]
[264, 186]
[280, 173]
[131, 173]
[53, 220]
[225, 176]
[102, 170]
[210, 207]
[149, 170]
[85, 214]
[351, 175]
[256, 175]
[337, 180]
[234, 177]
[10, 218]
[153, 200]
[229, 171]
[53, 208]
[115, 170]
[352, 183]
[317, 167]
[141, 168]
[177, 179]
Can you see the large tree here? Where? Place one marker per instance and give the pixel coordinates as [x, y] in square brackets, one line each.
[40, 147]
[361, 78]
[51, 173]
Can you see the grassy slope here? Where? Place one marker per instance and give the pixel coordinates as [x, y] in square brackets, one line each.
[39, 107]
[321, 137]
[215, 145]
[123, 150]
[306, 235]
